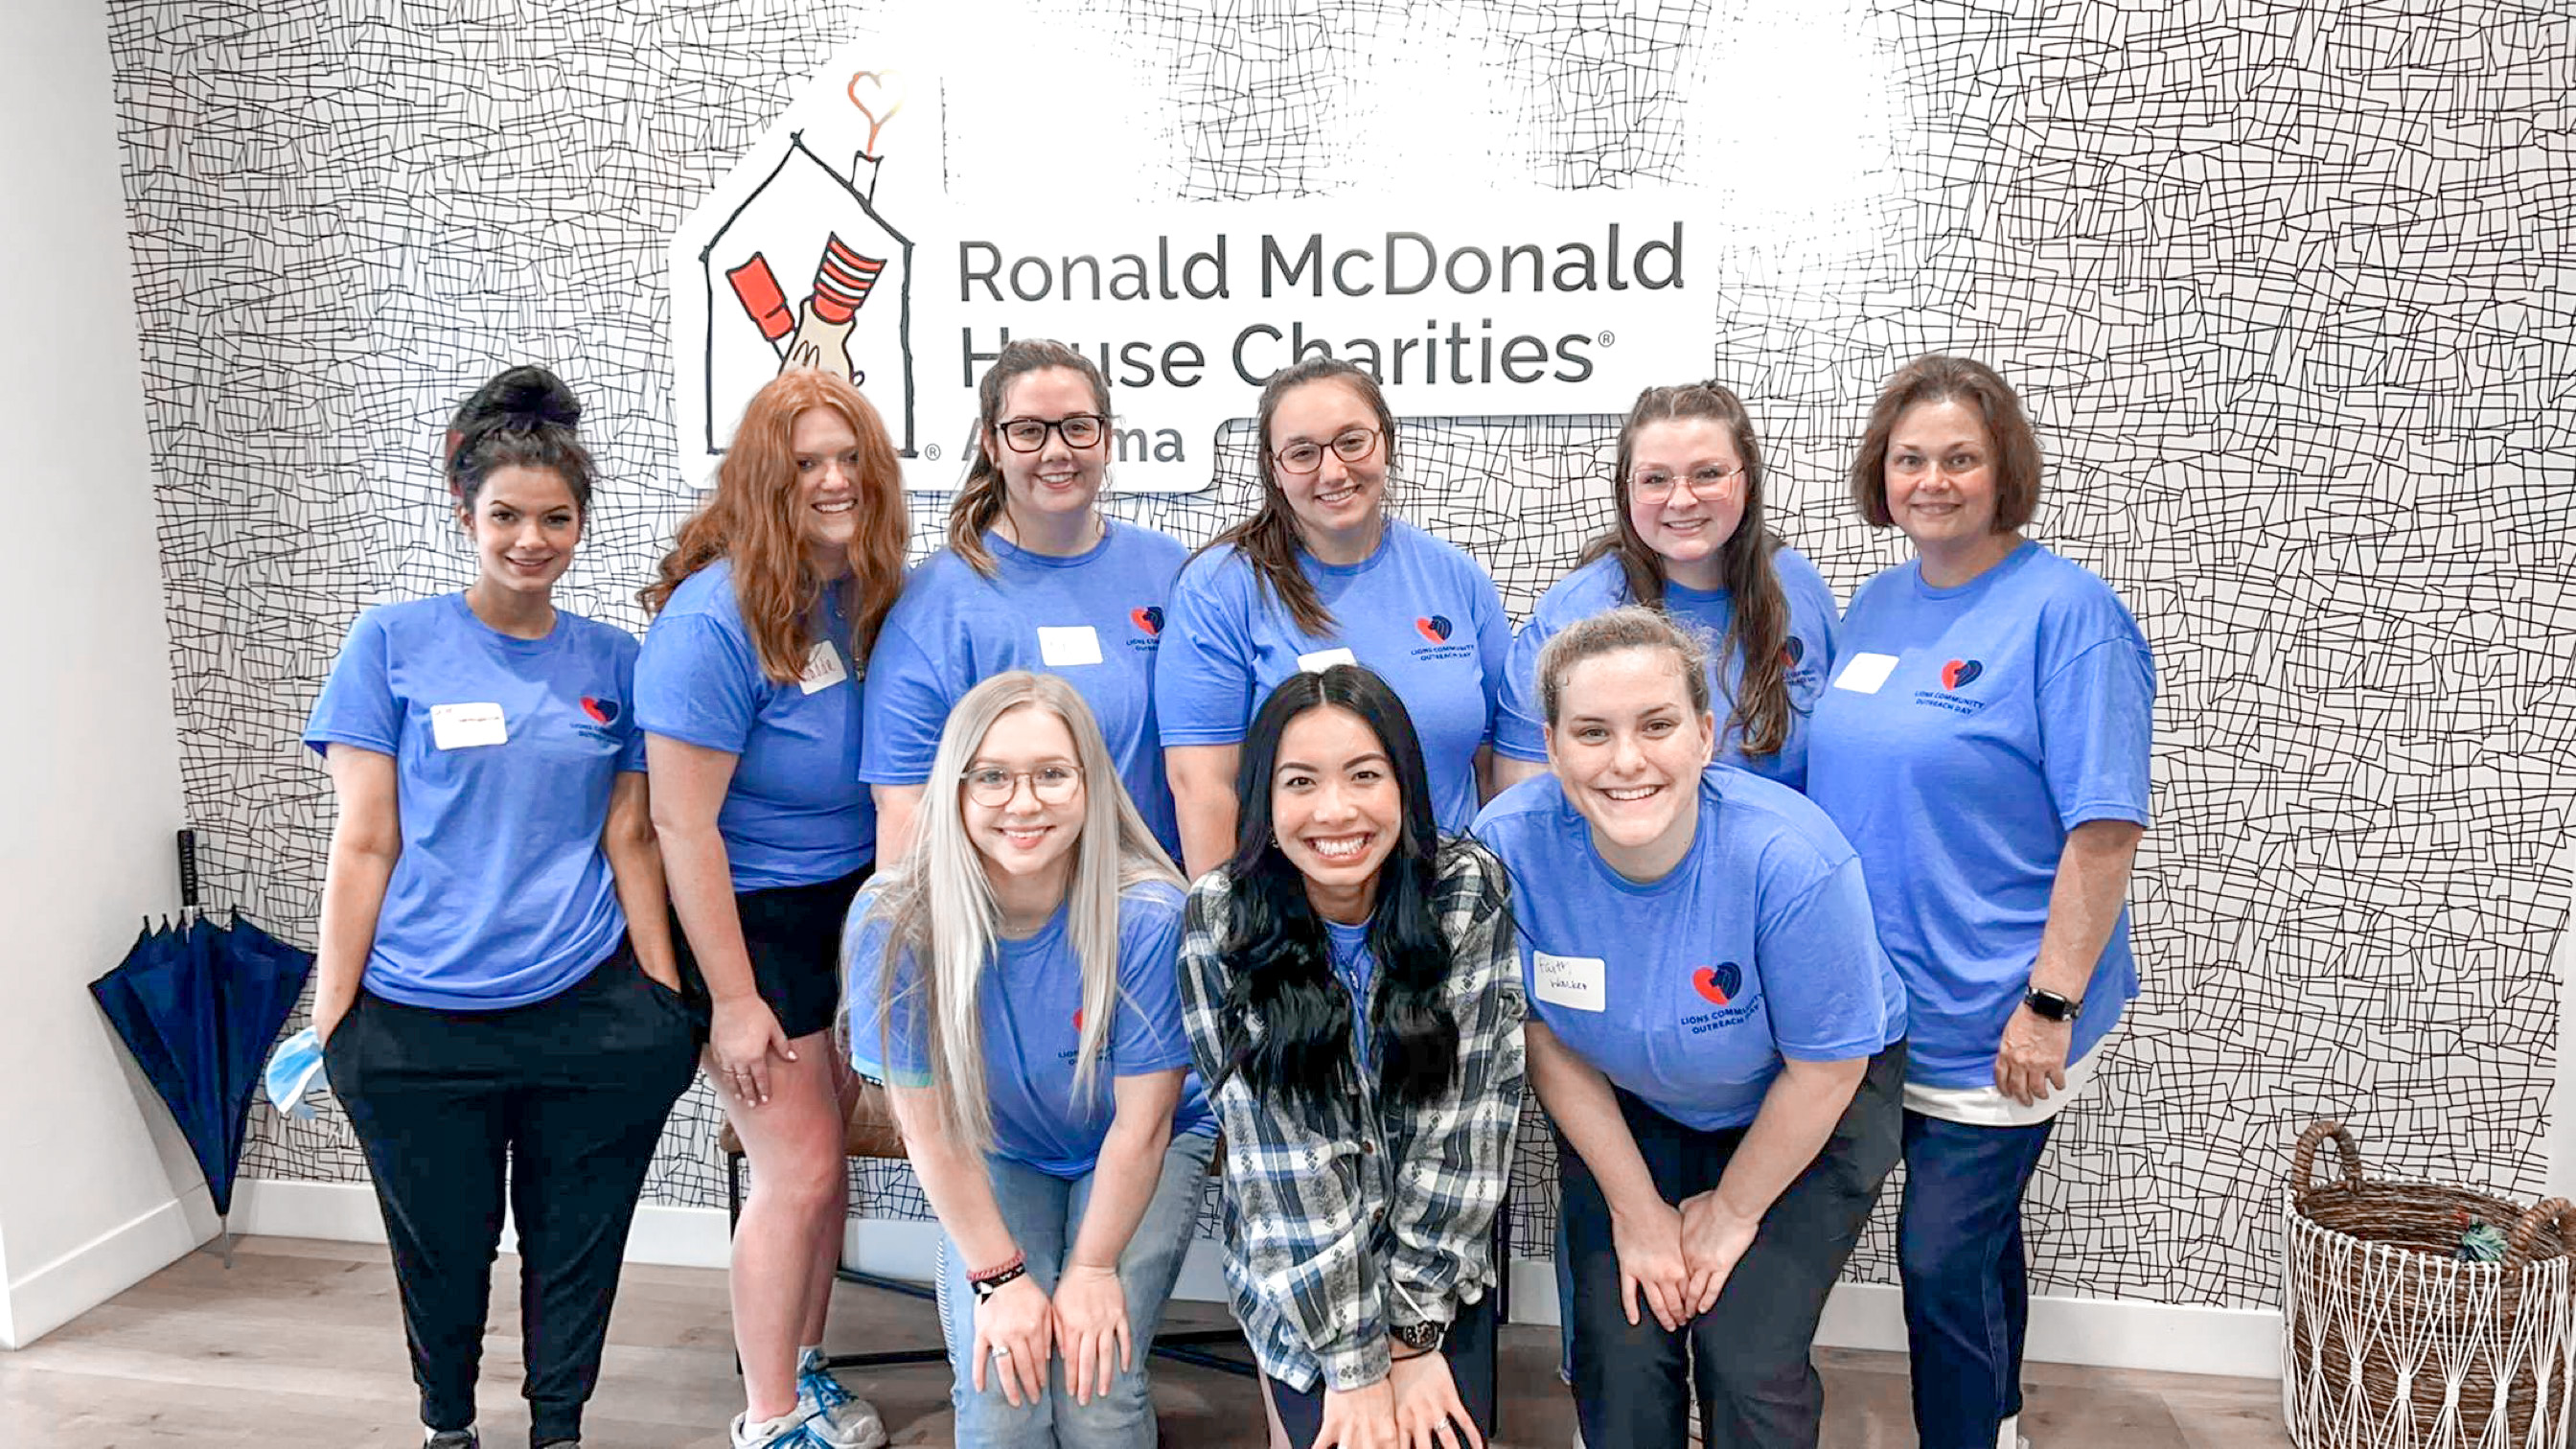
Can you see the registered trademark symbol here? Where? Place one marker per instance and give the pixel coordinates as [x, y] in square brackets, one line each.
[1608, 338]
[931, 452]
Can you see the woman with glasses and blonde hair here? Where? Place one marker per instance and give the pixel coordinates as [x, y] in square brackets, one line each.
[1035, 576]
[1984, 745]
[1321, 576]
[1689, 536]
[1011, 981]
[747, 691]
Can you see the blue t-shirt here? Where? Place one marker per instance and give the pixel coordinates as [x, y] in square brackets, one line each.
[1030, 1004]
[1355, 966]
[505, 752]
[1418, 612]
[796, 812]
[1599, 586]
[1966, 731]
[1095, 618]
[1689, 990]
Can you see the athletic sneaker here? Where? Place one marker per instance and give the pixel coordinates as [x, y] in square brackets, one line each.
[464, 1438]
[838, 1417]
[791, 1430]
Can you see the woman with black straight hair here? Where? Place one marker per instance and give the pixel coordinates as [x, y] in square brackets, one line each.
[1354, 1004]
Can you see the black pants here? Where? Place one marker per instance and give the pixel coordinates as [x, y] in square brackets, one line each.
[570, 1093]
[1749, 1355]
[1470, 1351]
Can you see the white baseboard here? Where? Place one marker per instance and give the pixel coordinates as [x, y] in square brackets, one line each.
[76, 1282]
[2098, 1332]
[679, 1237]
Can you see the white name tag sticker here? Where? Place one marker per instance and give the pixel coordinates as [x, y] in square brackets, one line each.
[1864, 673]
[823, 668]
[1575, 981]
[464, 726]
[1068, 644]
[1323, 659]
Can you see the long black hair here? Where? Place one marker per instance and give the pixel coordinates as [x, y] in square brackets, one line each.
[1278, 959]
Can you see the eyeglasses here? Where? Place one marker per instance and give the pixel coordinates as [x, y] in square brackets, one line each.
[993, 785]
[1655, 485]
[1303, 457]
[1079, 430]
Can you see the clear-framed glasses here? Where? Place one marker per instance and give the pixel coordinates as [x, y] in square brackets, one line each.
[1303, 457]
[1052, 784]
[1079, 430]
[1655, 485]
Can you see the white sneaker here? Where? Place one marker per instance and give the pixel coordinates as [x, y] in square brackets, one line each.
[791, 1430]
[838, 1417]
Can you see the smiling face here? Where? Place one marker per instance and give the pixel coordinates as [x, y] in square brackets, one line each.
[1056, 479]
[826, 454]
[1941, 476]
[525, 524]
[1341, 500]
[1026, 837]
[1689, 527]
[1335, 808]
[1628, 748]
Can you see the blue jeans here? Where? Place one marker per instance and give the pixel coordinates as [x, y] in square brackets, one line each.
[1044, 1214]
[1967, 1288]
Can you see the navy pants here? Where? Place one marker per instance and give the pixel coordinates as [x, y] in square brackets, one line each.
[1967, 1287]
[562, 1100]
[1749, 1357]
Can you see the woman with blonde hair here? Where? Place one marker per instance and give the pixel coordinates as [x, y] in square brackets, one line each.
[747, 692]
[1011, 981]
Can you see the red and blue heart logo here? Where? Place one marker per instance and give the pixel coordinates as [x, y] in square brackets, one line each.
[1718, 983]
[1793, 651]
[1148, 618]
[601, 711]
[1959, 673]
[1436, 628]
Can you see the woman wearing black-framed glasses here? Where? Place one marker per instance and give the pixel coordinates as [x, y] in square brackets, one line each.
[1321, 576]
[1034, 577]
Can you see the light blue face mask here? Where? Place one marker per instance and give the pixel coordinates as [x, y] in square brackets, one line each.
[296, 1084]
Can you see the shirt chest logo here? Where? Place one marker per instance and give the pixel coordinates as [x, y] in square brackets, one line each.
[599, 717]
[1956, 675]
[1723, 987]
[1435, 630]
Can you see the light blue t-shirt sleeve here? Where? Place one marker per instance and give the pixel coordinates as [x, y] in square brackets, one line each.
[891, 1048]
[1148, 1037]
[1520, 725]
[357, 705]
[1493, 643]
[1203, 674]
[2096, 726]
[694, 684]
[1821, 971]
[905, 709]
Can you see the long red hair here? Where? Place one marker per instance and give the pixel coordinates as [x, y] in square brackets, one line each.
[754, 520]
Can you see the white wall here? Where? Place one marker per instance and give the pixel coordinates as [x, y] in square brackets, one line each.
[92, 1195]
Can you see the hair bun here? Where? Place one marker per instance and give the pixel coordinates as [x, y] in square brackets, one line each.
[531, 396]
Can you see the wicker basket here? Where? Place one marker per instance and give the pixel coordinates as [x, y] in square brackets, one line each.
[2388, 1341]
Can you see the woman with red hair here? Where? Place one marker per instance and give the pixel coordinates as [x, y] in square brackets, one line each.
[748, 694]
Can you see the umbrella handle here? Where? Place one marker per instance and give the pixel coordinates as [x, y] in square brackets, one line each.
[188, 869]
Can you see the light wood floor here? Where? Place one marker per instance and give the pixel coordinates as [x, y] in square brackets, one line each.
[299, 1346]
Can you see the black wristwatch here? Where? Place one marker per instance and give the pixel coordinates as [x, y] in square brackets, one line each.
[2049, 1006]
[1419, 1337]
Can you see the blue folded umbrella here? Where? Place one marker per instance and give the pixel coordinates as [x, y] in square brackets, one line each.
[199, 1009]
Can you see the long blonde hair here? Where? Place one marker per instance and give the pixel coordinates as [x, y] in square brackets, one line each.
[939, 908]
